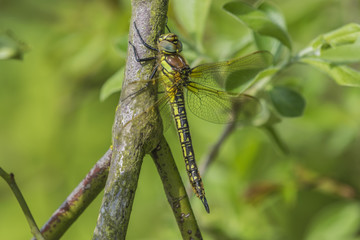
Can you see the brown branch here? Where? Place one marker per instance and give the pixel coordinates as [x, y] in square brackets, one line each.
[78, 200]
[175, 191]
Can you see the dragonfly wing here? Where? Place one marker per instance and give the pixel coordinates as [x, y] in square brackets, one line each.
[233, 73]
[219, 106]
[165, 111]
[161, 104]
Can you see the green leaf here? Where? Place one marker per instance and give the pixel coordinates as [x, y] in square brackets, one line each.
[328, 51]
[287, 102]
[271, 44]
[11, 47]
[347, 34]
[192, 14]
[254, 3]
[260, 21]
[274, 13]
[342, 54]
[112, 85]
[336, 221]
[341, 37]
[268, 43]
[343, 75]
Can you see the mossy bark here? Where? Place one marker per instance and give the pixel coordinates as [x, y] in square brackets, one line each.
[133, 135]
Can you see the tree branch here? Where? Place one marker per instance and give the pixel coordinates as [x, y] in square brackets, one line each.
[133, 135]
[175, 191]
[78, 200]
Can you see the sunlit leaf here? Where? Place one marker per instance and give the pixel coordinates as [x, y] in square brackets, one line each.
[287, 102]
[268, 43]
[259, 21]
[347, 34]
[328, 51]
[274, 13]
[271, 44]
[342, 74]
[341, 37]
[342, 54]
[11, 47]
[112, 85]
[254, 3]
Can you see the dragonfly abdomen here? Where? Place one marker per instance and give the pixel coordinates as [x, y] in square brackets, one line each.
[182, 126]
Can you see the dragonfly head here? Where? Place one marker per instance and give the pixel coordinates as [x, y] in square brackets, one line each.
[169, 44]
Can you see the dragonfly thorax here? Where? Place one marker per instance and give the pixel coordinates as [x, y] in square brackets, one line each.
[175, 68]
[169, 44]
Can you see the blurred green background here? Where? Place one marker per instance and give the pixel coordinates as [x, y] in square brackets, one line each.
[53, 127]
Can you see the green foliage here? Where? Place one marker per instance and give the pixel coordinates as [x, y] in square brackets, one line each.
[53, 127]
[193, 14]
[264, 20]
[346, 35]
[329, 52]
[343, 75]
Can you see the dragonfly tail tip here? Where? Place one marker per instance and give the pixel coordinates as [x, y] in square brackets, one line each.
[206, 205]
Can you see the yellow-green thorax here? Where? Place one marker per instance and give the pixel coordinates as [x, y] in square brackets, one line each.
[172, 65]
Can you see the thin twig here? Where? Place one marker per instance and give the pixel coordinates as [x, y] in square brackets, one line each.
[10, 179]
[214, 150]
[271, 131]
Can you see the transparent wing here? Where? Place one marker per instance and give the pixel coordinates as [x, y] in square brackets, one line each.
[233, 72]
[204, 96]
[160, 104]
[219, 106]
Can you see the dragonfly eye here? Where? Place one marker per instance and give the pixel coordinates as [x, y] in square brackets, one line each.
[168, 47]
[179, 46]
[169, 44]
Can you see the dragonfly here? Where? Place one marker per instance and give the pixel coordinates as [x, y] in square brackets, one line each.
[201, 89]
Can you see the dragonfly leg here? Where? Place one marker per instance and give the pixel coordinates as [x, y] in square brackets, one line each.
[137, 58]
[154, 71]
[138, 91]
[167, 25]
[168, 28]
[142, 40]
